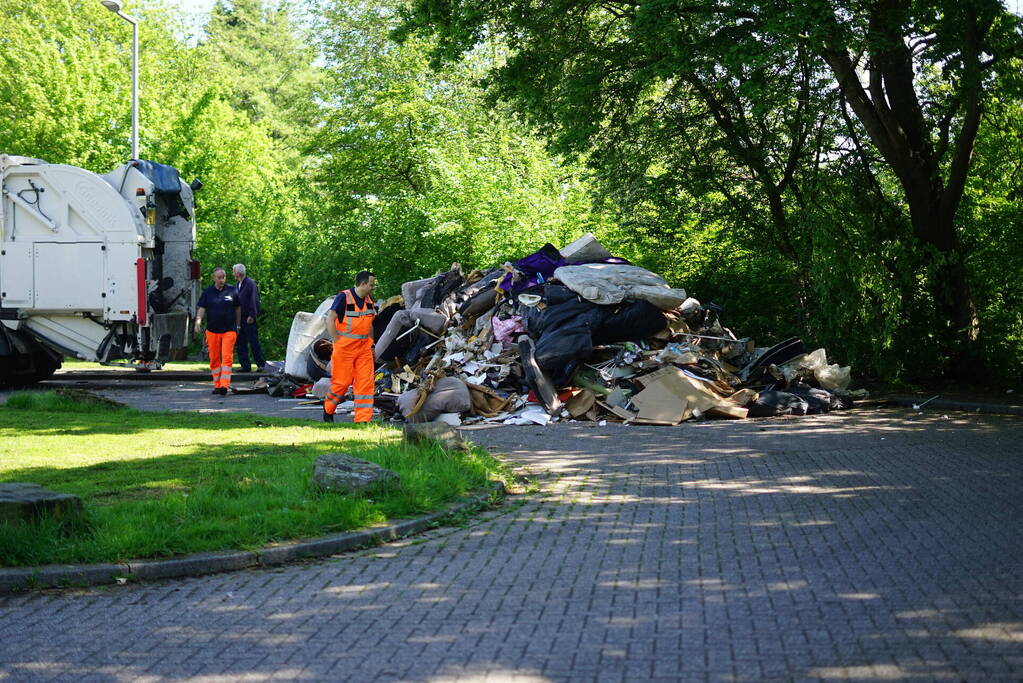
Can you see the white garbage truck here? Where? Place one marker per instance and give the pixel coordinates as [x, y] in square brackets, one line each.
[95, 267]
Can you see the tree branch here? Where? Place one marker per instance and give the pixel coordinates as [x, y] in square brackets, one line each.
[963, 155]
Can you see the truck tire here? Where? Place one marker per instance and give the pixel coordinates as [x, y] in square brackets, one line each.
[23, 370]
[24, 361]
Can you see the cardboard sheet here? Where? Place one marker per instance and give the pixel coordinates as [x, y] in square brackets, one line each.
[669, 395]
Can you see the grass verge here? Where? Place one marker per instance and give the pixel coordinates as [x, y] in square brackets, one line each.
[161, 484]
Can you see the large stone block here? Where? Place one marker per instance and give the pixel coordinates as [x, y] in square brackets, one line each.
[25, 502]
[345, 473]
[442, 433]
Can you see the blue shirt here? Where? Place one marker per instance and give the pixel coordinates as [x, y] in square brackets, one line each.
[220, 305]
[340, 304]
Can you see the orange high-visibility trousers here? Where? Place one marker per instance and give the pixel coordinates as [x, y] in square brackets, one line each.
[351, 365]
[221, 348]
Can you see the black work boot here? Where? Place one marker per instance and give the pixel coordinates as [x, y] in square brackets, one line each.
[328, 417]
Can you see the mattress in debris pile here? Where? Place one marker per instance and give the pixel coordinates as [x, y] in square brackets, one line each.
[586, 336]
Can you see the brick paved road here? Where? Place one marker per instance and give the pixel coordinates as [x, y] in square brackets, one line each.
[869, 544]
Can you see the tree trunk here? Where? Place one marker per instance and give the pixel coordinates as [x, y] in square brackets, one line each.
[934, 225]
[889, 109]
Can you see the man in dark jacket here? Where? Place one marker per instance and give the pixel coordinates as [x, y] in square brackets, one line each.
[248, 295]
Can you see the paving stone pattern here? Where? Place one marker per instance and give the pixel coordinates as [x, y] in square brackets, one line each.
[867, 544]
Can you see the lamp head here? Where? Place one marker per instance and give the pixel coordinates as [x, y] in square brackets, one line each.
[112, 5]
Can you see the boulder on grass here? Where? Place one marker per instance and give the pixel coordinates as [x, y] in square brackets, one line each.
[25, 502]
[345, 473]
[441, 432]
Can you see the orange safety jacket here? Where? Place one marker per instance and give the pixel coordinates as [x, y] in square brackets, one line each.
[357, 323]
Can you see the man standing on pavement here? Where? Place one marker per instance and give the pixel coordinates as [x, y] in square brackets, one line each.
[219, 303]
[248, 336]
[350, 326]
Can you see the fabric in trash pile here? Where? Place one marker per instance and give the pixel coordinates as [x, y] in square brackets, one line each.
[771, 403]
[427, 319]
[381, 319]
[610, 283]
[569, 326]
[534, 269]
[414, 292]
[441, 286]
[480, 295]
[448, 395]
[591, 341]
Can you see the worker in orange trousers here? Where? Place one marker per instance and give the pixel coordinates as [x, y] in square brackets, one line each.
[220, 305]
[350, 326]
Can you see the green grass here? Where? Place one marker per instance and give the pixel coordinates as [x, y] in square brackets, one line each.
[160, 484]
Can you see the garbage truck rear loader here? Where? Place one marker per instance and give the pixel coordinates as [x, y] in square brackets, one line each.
[94, 267]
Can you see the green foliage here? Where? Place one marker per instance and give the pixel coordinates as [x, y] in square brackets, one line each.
[993, 219]
[709, 143]
[736, 142]
[268, 61]
[420, 170]
[64, 95]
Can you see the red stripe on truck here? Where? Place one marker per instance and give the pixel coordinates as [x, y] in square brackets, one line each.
[140, 273]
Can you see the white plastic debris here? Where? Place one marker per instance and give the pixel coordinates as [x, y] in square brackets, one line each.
[536, 415]
[321, 387]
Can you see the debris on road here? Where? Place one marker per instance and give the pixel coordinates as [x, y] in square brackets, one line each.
[575, 334]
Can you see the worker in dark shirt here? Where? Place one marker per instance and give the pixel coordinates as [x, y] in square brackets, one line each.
[350, 326]
[248, 336]
[220, 306]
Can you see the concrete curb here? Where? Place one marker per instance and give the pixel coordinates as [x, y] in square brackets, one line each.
[954, 404]
[18, 579]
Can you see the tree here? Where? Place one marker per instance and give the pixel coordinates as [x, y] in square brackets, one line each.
[265, 61]
[414, 170]
[64, 96]
[772, 79]
[921, 106]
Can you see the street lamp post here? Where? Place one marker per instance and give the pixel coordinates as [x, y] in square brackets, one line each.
[115, 7]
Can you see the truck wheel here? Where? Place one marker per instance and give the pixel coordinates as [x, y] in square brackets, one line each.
[45, 366]
[24, 369]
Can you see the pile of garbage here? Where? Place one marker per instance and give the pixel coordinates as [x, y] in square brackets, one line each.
[574, 334]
